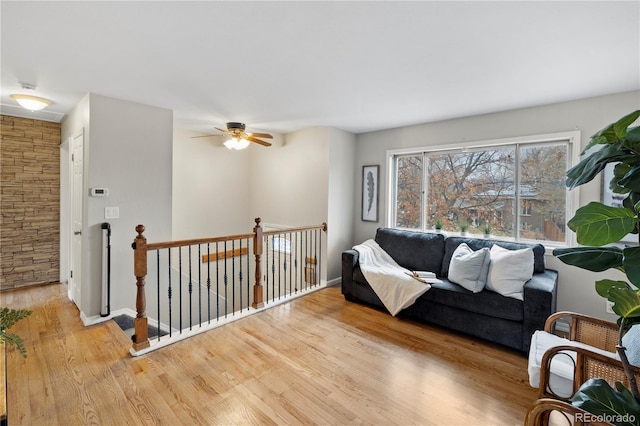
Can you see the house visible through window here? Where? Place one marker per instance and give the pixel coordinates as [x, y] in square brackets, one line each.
[516, 189]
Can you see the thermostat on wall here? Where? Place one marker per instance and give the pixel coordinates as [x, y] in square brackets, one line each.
[99, 192]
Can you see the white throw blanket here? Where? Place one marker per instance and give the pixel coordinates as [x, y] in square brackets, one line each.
[393, 284]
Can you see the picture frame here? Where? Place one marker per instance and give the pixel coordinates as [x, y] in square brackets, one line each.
[370, 179]
[613, 200]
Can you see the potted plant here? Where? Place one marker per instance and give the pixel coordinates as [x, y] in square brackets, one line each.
[597, 226]
[463, 228]
[486, 229]
[438, 225]
[8, 317]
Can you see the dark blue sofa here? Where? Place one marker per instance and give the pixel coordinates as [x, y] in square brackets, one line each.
[487, 315]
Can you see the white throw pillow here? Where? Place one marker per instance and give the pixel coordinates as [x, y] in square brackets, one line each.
[509, 270]
[469, 268]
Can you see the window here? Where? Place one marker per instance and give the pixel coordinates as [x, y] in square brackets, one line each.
[515, 188]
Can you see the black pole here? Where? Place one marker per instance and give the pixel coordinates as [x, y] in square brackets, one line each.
[107, 226]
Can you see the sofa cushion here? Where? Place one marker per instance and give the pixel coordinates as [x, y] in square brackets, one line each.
[485, 303]
[418, 251]
[451, 243]
[509, 271]
[470, 268]
[562, 368]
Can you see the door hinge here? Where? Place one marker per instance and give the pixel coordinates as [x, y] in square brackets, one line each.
[71, 274]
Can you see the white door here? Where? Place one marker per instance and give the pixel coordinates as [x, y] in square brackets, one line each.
[77, 195]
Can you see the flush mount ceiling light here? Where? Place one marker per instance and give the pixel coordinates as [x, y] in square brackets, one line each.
[32, 103]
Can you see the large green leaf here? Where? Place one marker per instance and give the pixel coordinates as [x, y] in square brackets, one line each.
[631, 263]
[603, 286]
[597, 224]
[596, 259]
[631, 179]
[633, 138]
[626, 302]
[620, 126]
[606, 135]
[597, 397]
[613, 132]
[632, 201]
[619, 172]
[595, 140]
[590, 166]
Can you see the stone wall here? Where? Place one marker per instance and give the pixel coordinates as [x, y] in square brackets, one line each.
[29, 202]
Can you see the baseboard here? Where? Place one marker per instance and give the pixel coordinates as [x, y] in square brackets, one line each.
[97, 319]
[334, 282]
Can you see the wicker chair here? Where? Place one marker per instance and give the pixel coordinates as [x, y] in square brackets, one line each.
[595, 332]
[601, 335]
[540, 414]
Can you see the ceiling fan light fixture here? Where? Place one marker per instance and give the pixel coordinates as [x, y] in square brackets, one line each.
[32, 103]
[236, 143]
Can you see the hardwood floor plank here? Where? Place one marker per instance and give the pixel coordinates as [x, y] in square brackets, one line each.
[316, 360]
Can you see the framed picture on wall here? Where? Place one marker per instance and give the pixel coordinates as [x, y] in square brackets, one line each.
[370, 175]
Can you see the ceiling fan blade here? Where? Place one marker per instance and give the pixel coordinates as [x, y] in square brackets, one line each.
[219, 129]
[261, 135]
[206, 136]
[258, 141]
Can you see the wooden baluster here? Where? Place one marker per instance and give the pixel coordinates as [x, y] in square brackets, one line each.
[258, 293]
[141, 336]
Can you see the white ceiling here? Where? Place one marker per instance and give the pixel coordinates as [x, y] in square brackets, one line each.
[283, 66]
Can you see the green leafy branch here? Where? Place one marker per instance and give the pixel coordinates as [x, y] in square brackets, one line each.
[597, 226]
[8, 318]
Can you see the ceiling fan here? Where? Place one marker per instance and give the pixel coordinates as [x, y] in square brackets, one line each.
[239, 138]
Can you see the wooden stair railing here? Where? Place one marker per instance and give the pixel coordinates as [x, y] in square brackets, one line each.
[258, 292]
[141, 247]
[141, 330]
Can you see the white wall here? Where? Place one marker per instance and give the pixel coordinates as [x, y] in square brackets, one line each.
[128, 149]
[210, 188]
[576, 287]
[306, 181]
[290, 179]
[341, 194]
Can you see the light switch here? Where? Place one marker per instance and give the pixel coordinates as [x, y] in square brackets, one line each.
[111, 212]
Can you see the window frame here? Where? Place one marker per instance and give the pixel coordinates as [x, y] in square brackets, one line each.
[573, 139]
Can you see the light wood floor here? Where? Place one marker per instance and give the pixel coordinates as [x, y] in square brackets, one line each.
[316, 360]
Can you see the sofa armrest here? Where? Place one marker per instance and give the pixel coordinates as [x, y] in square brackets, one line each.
[349, 262]
[540, 294]
[351, 258]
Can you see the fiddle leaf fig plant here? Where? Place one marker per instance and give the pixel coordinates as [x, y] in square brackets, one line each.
[597, 226]
[8, 317]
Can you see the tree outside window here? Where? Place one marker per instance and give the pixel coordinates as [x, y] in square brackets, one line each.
[517, 190]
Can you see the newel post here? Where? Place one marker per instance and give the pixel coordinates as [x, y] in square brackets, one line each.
[258, 293]
[141, 336]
